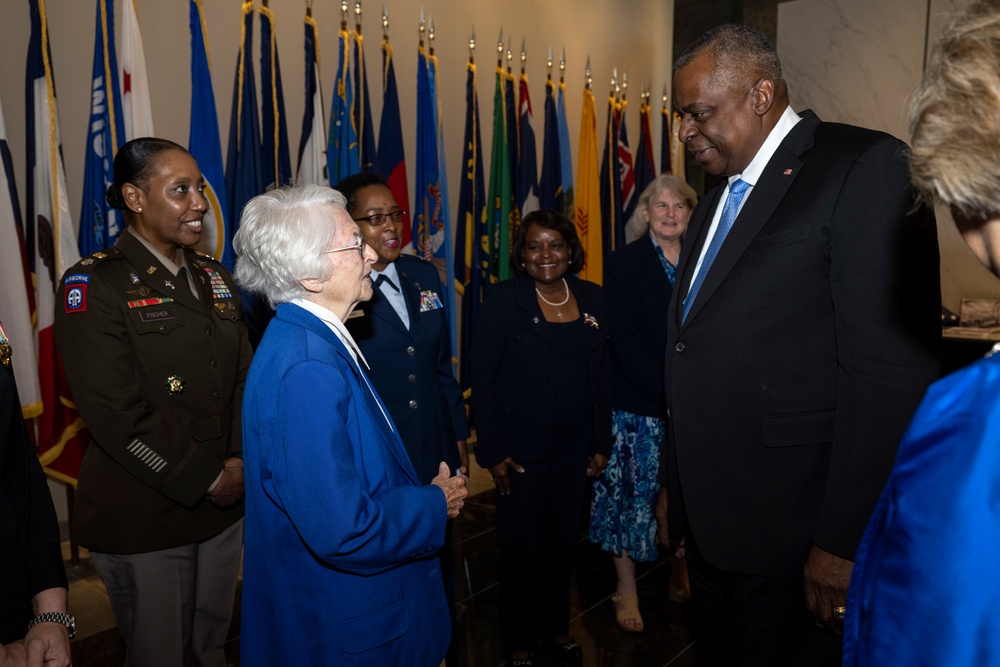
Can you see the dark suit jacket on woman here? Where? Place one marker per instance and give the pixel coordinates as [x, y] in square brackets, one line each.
[805, 352]
[158, 376]
[30, 556]
[513, 369]
[636, 295]
[411, 368]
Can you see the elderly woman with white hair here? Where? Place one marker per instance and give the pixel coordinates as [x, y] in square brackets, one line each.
[925, 588]
[339, 565]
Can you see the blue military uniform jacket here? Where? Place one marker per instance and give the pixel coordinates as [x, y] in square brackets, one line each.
[411, 368]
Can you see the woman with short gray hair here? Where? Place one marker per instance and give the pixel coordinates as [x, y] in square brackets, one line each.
[340, 536]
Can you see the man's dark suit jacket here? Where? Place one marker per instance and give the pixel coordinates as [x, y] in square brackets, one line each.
[513, 370]
[30, 556]
[636, 294]
[411, 369]
[805, 353]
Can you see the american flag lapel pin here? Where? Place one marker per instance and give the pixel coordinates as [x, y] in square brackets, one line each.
[788, 172]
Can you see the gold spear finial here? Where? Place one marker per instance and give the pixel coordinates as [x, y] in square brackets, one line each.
[624, 84]
[500, 49]
[309, 8]
[343, 14]
[524, 53]
[385, 21]
[472, 45]
[562, 66]
[590, 78]
[548, 64]
[510, 53]
[664, 95]
[614, 82]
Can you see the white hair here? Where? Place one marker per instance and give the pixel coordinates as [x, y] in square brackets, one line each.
[282, 237]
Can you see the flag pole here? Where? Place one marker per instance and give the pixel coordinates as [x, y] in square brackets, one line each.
[524, 54]
[472, 46]
[500, 50]
[422, 26]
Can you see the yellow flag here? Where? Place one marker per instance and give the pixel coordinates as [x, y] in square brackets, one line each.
[588, 193]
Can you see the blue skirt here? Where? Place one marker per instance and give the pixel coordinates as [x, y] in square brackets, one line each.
[624, 497]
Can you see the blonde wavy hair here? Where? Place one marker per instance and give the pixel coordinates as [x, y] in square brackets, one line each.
[955, 116]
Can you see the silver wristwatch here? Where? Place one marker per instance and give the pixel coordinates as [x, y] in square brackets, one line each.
[56, 617]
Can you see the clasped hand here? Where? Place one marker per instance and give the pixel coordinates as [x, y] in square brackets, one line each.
[230, 487]
[453, 487]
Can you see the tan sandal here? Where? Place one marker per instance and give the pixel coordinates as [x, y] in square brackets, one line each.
[629, 611]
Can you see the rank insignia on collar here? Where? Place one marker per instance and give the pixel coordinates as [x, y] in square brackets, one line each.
[99, 255]
[87, 262]
[151, 270]
[175, 385]
[134, 278]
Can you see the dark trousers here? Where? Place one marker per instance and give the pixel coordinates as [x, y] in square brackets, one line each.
[537, 528]
[744, 620]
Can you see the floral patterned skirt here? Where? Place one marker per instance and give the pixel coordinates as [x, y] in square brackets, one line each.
[624, 497]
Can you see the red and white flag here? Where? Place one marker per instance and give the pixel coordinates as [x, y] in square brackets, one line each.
[134, 84]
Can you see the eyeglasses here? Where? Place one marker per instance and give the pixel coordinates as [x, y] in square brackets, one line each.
[379, 219]
[360, 247]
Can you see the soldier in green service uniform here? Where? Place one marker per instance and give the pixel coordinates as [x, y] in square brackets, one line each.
[155, 350]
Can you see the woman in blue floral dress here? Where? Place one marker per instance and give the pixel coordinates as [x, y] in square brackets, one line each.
[637, 285]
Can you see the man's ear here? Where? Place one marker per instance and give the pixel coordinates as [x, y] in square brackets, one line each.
[763, 96]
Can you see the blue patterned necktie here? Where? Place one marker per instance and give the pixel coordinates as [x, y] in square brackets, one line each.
[736, 192]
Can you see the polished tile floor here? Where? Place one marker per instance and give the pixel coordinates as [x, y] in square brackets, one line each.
[668, 639]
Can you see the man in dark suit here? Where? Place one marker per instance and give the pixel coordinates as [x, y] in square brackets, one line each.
[802, 333]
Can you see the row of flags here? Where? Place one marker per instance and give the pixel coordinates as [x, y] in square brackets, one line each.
[36, 251]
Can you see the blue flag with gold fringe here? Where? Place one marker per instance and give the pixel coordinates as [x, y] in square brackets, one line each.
[471, 237]
[276, 163]
[550, 190]
[362, 107]
[565, 156]
[206, 146]
[342, 153]
[99, 223]
[243, 159]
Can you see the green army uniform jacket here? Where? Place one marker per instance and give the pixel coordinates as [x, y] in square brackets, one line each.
[158, 376]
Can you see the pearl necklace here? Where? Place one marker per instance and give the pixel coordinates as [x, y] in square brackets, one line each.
[555, 305]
